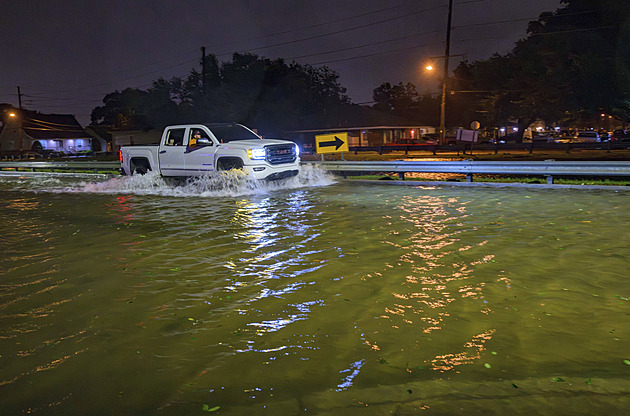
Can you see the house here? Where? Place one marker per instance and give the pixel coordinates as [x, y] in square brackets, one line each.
[365, 127]
[363, 136]
[24, 130]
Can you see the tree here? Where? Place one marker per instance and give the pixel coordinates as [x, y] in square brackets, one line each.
[122, 110]
[396, 99]
[573, 65]
[267, 94]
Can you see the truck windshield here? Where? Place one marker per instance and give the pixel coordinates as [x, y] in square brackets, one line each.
[232, 132]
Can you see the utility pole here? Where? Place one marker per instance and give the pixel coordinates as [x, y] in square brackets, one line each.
[445, 73]
[19, 97]
[20, 121]
[203, 70]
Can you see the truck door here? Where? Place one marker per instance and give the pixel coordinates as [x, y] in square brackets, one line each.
[199, 155]
[171, 152]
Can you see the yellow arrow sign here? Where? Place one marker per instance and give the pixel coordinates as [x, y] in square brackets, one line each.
[331, 143]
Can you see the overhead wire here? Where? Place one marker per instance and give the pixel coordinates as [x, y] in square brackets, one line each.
[345, 30]
[144, 74]
[40, 97]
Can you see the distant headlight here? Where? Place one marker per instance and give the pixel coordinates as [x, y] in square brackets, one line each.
[257, 154]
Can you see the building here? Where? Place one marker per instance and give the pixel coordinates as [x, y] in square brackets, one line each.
[363, 136]
[24, 130]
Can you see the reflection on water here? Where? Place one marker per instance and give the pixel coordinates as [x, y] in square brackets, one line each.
[177, 299]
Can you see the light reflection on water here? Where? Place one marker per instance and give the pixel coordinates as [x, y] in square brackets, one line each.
[312, 300]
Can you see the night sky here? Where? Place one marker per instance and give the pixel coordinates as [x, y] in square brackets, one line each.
[66, 55]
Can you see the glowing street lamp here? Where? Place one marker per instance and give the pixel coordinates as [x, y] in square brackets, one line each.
[14, 116]
[429, 67]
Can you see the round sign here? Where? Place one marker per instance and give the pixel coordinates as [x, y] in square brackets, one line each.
[475, 125]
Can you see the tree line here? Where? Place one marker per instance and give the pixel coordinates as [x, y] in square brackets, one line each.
[270, 94]
[573, 65]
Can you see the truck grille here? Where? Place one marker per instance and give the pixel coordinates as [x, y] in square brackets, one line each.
[281, 153]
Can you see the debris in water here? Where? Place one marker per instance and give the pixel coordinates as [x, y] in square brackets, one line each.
[207, 408]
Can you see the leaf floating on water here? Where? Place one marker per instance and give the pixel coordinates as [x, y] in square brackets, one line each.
[207, 408]
[621, 297]
[383, 361]
[626, 362]
[487, 365]
[558, 379]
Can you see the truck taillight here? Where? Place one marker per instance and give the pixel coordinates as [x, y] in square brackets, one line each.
[120, 155]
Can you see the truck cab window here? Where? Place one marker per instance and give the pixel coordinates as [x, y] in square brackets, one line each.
[198, 137]
[175, 137]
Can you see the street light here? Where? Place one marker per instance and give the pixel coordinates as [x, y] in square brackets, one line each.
[19, 123]
[429, 67]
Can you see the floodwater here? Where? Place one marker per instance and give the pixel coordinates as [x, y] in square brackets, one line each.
[131, 296]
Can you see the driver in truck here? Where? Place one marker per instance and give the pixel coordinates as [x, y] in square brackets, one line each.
[195, 136]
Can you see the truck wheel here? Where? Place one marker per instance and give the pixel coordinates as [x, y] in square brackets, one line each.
[141, 168]
[229, 164]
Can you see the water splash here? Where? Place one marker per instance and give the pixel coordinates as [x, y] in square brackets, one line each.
[213, 184]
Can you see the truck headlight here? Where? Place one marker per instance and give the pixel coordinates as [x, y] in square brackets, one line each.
[297, 150]
[257, 154]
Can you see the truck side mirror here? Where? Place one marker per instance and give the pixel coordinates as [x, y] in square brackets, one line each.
[204, 142]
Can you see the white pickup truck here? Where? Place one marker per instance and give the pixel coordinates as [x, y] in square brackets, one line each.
[196, 149]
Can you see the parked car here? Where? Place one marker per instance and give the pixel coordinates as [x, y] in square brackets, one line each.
[542, 138]
[587, 136]
[619, 135]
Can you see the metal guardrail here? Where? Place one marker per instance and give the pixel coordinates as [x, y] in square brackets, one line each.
[93, 166]
[463, 147]
[469, 168]
[548, 168]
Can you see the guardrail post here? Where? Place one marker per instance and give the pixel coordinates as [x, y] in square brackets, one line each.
[434, 150]
[380, 150]
[549, 180]
[469, 177]
[401, 176]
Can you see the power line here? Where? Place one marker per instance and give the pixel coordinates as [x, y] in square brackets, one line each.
[317, 24]
[344, 30]
[363, 46]
[371, 55]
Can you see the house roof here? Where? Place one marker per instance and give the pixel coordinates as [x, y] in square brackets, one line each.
[52, 126]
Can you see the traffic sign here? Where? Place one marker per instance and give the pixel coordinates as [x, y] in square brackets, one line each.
[331, 143]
